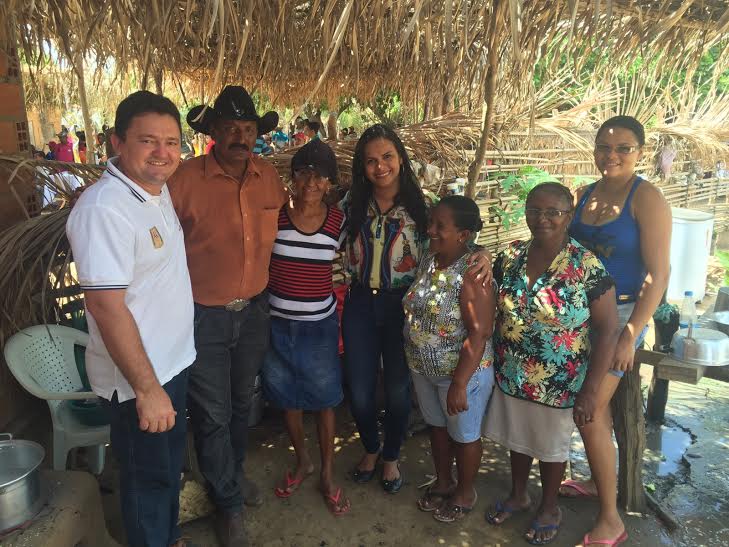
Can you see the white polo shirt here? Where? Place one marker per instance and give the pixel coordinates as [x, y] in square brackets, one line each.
[125, 238]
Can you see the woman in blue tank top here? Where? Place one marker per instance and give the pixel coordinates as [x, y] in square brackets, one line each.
[626, 222]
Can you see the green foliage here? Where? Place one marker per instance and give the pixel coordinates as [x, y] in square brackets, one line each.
[665, 313]
[519, 185]
[723, 257]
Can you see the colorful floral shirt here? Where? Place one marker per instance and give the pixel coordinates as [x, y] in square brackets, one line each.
[388, 250]
[434, 331]
[541, 342]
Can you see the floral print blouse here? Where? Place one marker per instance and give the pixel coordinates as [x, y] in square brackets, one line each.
[541, 340]
[388, 250]
[434, 332]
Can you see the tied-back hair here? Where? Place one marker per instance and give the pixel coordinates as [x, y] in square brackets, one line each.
[409, 195]
[466, 214]
[554, 188]
[624, 122]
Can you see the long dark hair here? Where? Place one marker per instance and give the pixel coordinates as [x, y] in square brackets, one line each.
[409, 195]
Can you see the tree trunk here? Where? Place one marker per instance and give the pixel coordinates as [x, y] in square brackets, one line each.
[449, 68]
[629, 424]
[88, 127]
[487, 116]
[159, 78]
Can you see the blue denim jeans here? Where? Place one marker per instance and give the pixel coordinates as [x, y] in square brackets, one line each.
[372, 327]
[149, 469]
[230, 349]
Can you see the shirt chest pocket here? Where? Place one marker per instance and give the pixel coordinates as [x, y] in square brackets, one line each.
[268, 227]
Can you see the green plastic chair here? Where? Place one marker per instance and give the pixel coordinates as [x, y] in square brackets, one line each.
[42, 360]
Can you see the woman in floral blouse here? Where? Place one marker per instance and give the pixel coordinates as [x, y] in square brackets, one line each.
[387, 221]
[449, 319]
[554, 298]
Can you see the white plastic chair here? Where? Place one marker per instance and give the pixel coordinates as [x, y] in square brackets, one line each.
[42, 360]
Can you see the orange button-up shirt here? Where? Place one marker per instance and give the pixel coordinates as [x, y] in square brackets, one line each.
[229, 226]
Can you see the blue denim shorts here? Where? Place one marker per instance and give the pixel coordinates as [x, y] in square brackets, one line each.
[302, 369]
[432, 392]
[624, 311]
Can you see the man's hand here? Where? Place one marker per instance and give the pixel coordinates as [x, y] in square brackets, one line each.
[156, 414]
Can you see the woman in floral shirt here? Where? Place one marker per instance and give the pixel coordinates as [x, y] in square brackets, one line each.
[448, 327]
[554, 298]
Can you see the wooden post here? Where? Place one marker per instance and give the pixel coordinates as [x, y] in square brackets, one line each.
[78, 67]
[629, 424]
[657, 399]
[474, 170]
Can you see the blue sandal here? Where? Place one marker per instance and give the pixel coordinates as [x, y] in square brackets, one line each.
[542, 528]
[500, 507]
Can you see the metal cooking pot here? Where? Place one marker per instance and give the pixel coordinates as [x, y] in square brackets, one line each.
[20, 489]
[706, 347]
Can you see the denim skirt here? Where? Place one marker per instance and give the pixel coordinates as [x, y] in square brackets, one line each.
[302, 369]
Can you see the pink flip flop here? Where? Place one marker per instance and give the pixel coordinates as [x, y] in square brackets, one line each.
[609, 542]
[577, 487]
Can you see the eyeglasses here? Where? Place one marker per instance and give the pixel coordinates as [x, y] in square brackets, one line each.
[622, 149]
[304, 173]
[531, 212]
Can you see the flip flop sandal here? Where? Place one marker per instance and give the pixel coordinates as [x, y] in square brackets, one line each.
[432, 500]
[501, 507]
[292, 485]
[577, 487]
[450, 512]
[542, 528]
[336, 505]
[609, 542]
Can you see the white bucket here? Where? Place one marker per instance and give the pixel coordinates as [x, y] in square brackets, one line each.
[690, 247]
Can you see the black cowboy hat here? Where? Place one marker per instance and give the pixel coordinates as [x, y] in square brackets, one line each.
[233, 103]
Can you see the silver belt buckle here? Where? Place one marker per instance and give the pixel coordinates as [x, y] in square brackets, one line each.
[238, 304]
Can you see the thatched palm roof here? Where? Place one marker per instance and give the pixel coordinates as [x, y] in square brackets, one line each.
[417, 47]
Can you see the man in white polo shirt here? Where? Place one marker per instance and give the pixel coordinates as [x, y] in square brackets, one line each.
[129, 250]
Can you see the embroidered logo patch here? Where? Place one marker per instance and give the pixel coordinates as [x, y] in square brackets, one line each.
[156, 238]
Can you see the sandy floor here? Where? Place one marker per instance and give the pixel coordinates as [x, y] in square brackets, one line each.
[377, 518]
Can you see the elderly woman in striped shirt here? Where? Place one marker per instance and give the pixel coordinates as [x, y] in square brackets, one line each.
[302, 369]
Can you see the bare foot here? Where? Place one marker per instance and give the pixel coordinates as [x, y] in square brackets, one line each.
[578, 489]
[464, 497]
[545, 527]
[504, 510]
[390, 471]
[291, 482]
[606, 529]
[368, 462]
[337, 503]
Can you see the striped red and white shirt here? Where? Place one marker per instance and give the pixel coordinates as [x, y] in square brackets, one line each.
[300, 280]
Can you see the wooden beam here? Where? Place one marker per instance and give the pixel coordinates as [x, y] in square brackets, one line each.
[629, 424]
[488, 106]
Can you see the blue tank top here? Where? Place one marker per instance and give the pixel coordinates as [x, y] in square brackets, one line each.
[617, 245]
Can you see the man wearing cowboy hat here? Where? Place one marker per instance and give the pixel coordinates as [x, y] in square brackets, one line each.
[228, 202]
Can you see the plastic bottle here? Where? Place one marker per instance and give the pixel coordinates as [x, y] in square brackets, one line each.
[688, 318]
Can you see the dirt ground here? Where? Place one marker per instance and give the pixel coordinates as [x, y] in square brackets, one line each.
[376, 518]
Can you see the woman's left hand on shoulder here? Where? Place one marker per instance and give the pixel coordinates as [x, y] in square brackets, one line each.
[479, 266]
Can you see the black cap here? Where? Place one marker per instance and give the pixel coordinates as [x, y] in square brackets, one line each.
[317, 155]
